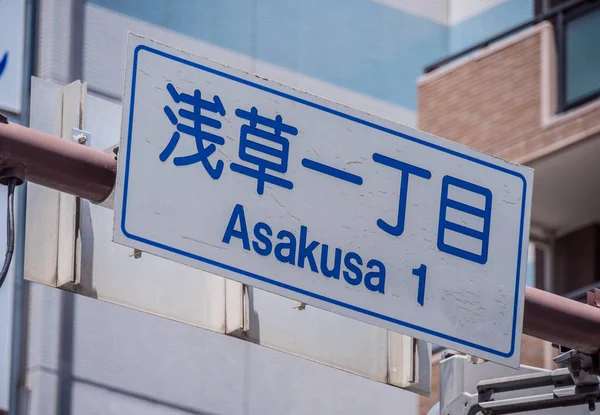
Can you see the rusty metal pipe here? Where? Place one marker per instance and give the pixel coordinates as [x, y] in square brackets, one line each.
[561, 320]
[56, 163]
[90, 174]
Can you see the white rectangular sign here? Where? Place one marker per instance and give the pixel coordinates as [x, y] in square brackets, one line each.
[12, 41]
[255, 181]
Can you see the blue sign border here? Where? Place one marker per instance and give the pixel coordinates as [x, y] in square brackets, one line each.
[331, 111]
[3, 63]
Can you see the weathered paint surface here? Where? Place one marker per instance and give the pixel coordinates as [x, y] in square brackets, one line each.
[275, 188]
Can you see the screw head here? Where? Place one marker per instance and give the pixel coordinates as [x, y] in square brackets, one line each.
[82, 139]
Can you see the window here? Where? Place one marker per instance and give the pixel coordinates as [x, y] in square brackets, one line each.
[577, 25]
[582, 56]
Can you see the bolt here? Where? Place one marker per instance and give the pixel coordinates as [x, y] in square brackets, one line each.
[576, 367]
[82, 139]
[298, 305]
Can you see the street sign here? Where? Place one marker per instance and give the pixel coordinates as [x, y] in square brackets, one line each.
[12, 41]
[275, 188]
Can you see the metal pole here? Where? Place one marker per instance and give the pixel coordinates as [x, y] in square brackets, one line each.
[56, 163]
[19, 331]
[90, 174]
[21, 289]
[561, 320]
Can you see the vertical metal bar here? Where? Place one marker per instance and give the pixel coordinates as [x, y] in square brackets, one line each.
[64, 394]
[549, 283]
[561, 50]
[20, 306]
[73, 101]
[545, 6]
[30, 60]
[76, 40]
[20, 296]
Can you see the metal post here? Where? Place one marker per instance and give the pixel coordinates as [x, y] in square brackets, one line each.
[561, 55]
[18, 352]
[561, 320]
[56, 163]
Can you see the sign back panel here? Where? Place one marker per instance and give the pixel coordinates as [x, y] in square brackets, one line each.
[255, 181]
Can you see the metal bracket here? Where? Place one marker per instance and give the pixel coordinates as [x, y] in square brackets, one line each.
[577, 383]
[82, 137]
[566, 392]
[584, 368]
[298, 305]
[70, 208]
[593, 298]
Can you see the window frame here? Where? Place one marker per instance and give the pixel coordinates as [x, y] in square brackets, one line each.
[560, 24]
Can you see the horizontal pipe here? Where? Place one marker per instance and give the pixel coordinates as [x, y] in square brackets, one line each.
[56, 163]
[561, 320]
[88, 173]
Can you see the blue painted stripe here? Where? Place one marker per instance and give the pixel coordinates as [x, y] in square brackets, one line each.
[455, 227]
[332, 171]
[349, 118]
[400, 165]
[360, 45]
[465, 208]
[3, 63]
[491, 22]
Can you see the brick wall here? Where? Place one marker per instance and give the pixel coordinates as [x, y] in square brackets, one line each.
[502, 100]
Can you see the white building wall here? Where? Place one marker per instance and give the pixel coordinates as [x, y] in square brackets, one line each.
[91, 357]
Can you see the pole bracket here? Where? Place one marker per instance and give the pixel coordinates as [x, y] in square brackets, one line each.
[16, 172]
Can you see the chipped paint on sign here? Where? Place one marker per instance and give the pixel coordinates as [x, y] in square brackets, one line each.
[275, 188]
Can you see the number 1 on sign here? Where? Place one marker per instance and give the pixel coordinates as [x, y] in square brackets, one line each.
[421, 273]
